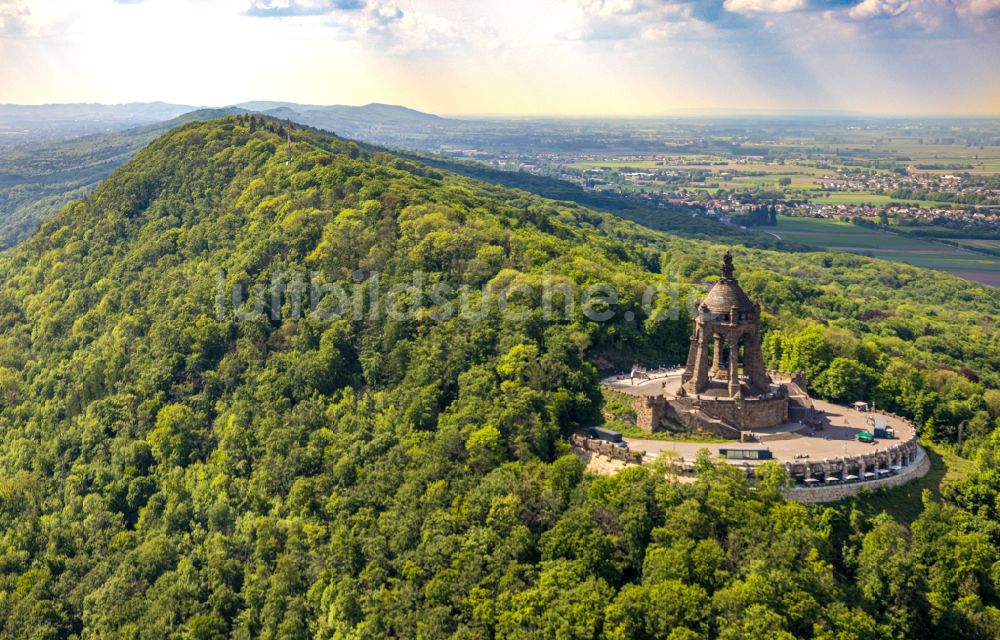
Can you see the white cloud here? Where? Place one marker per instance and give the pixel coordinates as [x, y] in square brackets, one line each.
[868, 9]
[29, 19]
[763, 6]
[15, 20]
[945, 18]
[628, 19]
[295, 8]
[978, 8]
[384, 23]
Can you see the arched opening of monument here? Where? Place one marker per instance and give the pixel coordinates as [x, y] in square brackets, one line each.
[720, 355]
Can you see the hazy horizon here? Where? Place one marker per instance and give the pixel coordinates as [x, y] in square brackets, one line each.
[691, 113]
[604, 58]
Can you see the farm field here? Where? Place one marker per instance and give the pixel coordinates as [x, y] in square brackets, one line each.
[982, 160]
[696, 162]
[803, 188]
[861, 197]
[993, 245]
[843, 236]
[985, 160]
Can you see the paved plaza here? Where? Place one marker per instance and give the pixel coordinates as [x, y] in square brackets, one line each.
[793, 442]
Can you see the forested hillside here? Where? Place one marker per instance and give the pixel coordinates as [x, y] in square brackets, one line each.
[674, 219]
[39, 175]
[170, 470]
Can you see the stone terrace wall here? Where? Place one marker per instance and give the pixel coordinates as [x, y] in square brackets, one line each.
[604, 448]
[748, 413]
[650, 412]
[839, 492]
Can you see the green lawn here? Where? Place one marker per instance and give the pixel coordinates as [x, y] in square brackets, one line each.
[800, 182]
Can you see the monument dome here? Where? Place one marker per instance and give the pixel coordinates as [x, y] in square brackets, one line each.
[727, 293]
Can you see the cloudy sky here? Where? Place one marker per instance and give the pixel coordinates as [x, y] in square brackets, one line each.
[588, 57]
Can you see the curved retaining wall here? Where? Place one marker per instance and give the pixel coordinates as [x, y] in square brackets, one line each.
[921, 465]
[905, 461]
[918, 468]
[902, 455]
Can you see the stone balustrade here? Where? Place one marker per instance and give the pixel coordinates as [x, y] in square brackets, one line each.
[866, 466]
[918, 468]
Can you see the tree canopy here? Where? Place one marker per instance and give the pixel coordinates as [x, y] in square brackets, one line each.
[168, 470]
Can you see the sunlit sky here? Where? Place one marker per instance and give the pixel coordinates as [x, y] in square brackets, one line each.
[555, 57]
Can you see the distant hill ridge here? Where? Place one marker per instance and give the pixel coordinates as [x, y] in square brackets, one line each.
[387, 112]
[37, 179]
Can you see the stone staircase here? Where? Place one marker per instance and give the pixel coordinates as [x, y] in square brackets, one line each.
[799, 396]
[773, 437]
[697, 419]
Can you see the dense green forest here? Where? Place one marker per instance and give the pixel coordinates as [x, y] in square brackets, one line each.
[674, 219]
[38, 177]
[170, 471]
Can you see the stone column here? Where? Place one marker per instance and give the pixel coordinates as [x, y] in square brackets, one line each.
[701, 362]
[689, 367]
[753, 362]
[696, 375]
